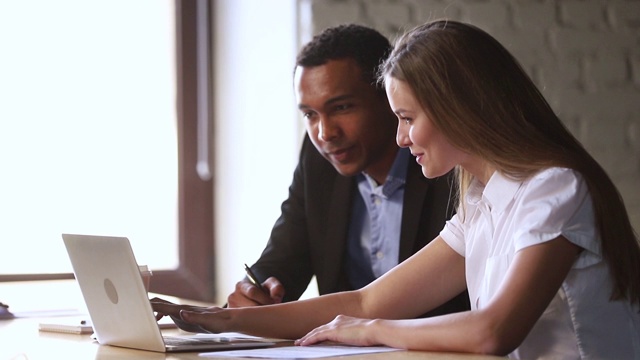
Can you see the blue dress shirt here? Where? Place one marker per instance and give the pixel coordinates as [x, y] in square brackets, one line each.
[374, 231]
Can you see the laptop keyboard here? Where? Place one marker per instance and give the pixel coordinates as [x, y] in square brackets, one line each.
[176, 341]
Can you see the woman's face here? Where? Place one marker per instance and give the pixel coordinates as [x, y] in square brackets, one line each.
[432, 149]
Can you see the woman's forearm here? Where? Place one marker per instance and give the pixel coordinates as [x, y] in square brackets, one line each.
[460, 332]
[294, 319]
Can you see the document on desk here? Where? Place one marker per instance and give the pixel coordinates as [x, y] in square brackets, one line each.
[301, 352]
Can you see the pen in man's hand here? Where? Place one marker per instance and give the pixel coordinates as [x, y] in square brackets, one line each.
[4, 312]
[253, 278]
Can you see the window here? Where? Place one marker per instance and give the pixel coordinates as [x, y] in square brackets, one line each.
[99, 134]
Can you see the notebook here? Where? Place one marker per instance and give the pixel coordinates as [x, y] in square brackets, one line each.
[118, 304]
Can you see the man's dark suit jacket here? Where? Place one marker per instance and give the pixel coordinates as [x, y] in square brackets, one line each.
[310, 236]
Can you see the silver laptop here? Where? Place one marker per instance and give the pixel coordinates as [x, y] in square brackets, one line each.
[118, 304]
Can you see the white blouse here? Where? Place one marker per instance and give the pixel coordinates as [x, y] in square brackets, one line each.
[507, 216]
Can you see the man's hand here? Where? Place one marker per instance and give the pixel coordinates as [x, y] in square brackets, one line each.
[247, 294]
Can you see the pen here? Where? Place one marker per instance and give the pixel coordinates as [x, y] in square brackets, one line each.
[253, 278]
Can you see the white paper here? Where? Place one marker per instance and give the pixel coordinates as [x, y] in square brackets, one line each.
[300, 352]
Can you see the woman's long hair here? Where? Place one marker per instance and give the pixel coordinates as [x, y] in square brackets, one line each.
[476, 93]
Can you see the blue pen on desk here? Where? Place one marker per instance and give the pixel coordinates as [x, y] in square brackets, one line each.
[253, 278]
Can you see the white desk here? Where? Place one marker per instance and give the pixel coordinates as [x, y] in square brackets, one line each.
[20, 339]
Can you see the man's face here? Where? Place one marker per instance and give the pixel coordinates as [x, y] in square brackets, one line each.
[349, 123]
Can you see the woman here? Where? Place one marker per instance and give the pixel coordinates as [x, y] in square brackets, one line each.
[541, 238]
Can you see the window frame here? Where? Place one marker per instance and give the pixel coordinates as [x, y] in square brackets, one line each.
[194, 276]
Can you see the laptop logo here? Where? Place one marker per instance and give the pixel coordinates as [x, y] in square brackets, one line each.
[110, 289]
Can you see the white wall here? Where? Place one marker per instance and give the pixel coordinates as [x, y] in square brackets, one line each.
[257, 131]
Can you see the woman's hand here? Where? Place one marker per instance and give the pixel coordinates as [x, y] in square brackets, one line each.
[187, 317]
[343, 329]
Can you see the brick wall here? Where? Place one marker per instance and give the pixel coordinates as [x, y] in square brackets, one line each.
[584, 55]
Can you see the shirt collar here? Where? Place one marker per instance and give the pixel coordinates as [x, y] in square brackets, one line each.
[498, 192]
[397, 174]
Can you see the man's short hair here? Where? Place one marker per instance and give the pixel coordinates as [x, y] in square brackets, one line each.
[366, 46]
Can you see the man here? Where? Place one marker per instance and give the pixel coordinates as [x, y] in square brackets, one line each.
[358, 204]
